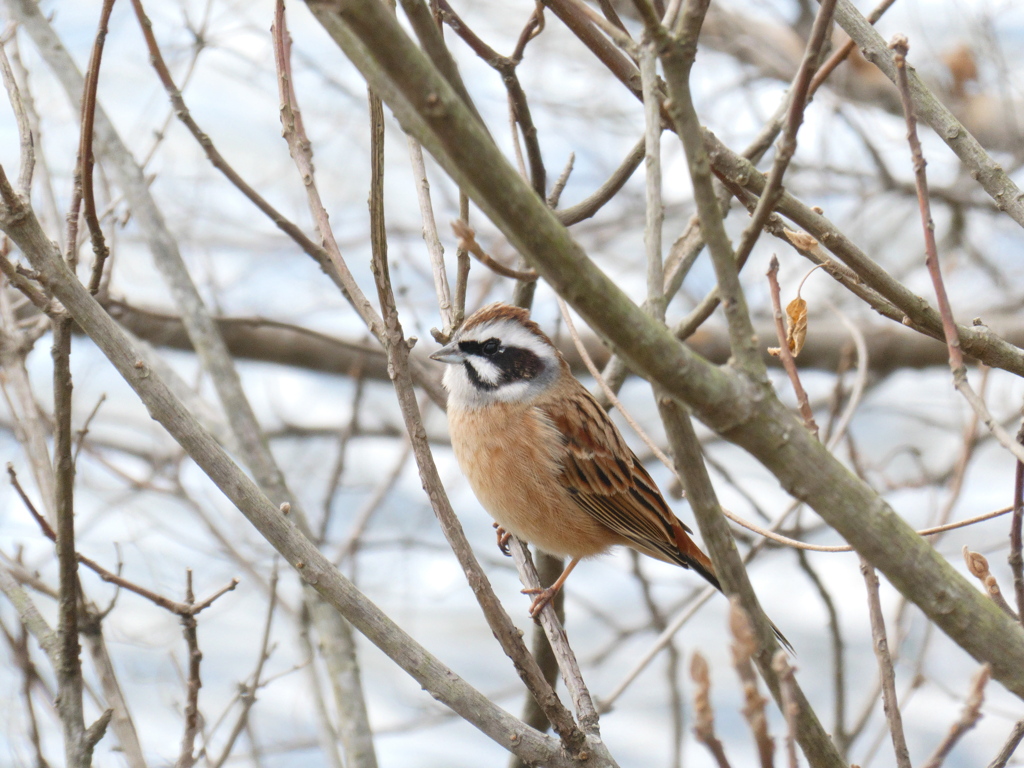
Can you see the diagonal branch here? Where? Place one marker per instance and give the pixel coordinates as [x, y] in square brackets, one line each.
[17, 220]
[727, 403]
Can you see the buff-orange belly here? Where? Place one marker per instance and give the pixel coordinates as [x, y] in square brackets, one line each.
[510, 455]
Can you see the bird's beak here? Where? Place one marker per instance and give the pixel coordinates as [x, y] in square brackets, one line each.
[450, 354]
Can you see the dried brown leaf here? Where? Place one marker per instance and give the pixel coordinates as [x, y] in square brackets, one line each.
[796, 334]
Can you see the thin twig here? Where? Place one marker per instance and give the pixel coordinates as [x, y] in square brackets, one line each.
[462, 262]
[593, 203]
[677, 54]
[23, 284]
[326, 733]
[85, 154]
[977, 564]
[519, 109]
[785, 353]
[81, 433]
[188, 621]
[586, 713]
[860, 382]
[467, 241]
[885, 670]
[616, 31]
[968, 718]
[174, 606]
[548, 568]
[434, 248]
[844, 50]
[362, 517]
[1015, 557]
[900, 46]
[797, 97]
[121, 722]
[655, 210]
[27, 161]
[663, 639]
[563, 178]
[247, 694]
[300, 149]
[1012, 742]
[69, 667]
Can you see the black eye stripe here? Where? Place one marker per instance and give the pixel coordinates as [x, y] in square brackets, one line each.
[484, 348]
[513, 363]
[518, 364]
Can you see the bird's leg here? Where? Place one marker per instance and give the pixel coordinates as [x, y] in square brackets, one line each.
[503, 539]
[544, 596]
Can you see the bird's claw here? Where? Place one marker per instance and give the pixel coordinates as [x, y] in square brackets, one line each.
[541, 598]
[504, 537]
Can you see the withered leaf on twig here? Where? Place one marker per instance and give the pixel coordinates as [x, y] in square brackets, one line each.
[796, 334]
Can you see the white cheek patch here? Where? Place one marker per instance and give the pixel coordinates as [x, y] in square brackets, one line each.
[488, 372]
[461, 391]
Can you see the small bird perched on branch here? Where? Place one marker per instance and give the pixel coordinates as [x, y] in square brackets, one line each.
[544, 458]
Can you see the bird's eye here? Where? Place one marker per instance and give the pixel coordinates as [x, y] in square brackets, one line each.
[491, 347]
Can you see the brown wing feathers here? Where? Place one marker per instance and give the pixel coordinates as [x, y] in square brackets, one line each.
[607, 480]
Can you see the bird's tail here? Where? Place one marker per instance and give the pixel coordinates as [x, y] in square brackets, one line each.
[692, 557]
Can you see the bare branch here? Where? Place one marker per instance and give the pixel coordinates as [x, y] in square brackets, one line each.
[1012, 742]
[1016, 558]
[467, 241]
[797, 97]
[83, 171]
[785, 353]
[968, 718]
[28, 155]
[188, 621]
[977, 564]
[900, 46]
[247, 695]
[885, 670]
[586, 713]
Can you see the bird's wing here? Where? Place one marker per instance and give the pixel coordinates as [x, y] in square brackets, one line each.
[607, 480]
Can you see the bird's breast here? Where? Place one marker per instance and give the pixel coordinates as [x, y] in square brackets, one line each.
[511, 455]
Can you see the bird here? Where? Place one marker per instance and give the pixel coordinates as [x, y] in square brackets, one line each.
[544, 458]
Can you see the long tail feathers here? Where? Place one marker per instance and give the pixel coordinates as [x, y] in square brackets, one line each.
[692, 557]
